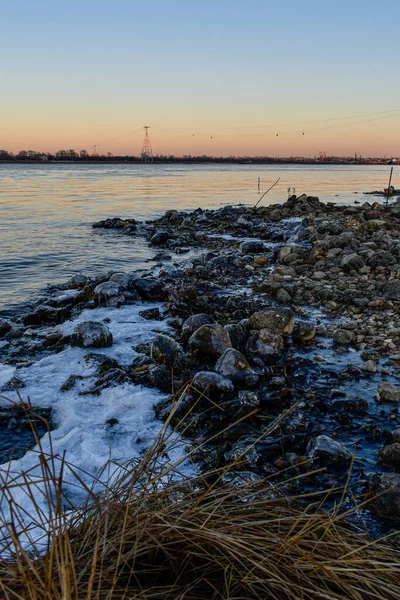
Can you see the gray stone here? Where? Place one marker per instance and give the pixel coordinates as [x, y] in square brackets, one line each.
[303, 332]
[237, 336]
[91, 334]
[252, 247]
[370, 366]
[166, 350]
[148, 287]
[387, 501]
[104, 292]
[5, 327]
[210, 340]
[388, 392]
[283, 297]
[213, 381]
[78, 281]
[344, 337]
[234, 365]
[41, 314]
[326, 451]
[193, 323]
[391, 291]
[264, 344]
[279, 320]
[352, 262]
[390, 455]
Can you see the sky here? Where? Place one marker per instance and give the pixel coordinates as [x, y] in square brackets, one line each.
[211, 77]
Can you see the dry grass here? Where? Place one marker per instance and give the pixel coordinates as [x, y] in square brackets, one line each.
[155, 535]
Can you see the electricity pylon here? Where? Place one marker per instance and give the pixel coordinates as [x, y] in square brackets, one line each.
[147, 152]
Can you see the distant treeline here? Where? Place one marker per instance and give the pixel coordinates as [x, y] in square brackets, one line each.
[83, 156]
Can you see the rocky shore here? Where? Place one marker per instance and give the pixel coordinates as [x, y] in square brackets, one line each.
[279, 339]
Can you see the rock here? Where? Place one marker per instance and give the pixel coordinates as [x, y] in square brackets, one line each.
[214, 381]
[210, 340]
[344, 337]
[167, 351]
[387, 501]
[151, 314]
[114, 223]
[283, 297]
[303, 332]
[237, 336]
[370, 366]
[264, 344]
[390, 455]
[159, 238]
[91, 334]
[41, 314]
[5, 327]
[234, 365]
[149, 288]
[328, 452]
[106, 292]
[78, 281]
[252, 247]
[387, 392]
[391, 290]
[279, 320]
[193, 323]
[352, 262]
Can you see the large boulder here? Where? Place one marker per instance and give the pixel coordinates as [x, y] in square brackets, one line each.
[387, 392]
[193, 323]
[210, 340]
[41, 314]
[325, 451]
[234, 365]
[279, 320]
[303, 332]
[166, 350]
[91, 334]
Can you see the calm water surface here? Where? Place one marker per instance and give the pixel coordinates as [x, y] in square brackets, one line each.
[46, 211]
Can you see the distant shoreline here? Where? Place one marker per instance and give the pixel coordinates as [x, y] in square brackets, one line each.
[199, 161]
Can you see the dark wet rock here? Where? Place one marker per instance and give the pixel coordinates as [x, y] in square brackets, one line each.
[237, 336]
[42, 314]
[114, 223]
[234, 365]
[264, 344]
[205, 380]
[344, 337]
[160, 238]
[167, 351]
[5, 327]
[210, 340]
[105, 294]
[151, 314]
[69, 383]
[352, 262]
[390, 455]
[154, 376]
[391, 290]
[387, 496]
[280, 320]
[303, 332]
[86, 294]
[328, 452]
[252, 247]
[149, 288]
[193, 323]
[91, 334]
[283, 296]
[387, 392]
[78, 281]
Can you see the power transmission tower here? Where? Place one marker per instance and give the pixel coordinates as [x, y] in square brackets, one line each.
[147, 152]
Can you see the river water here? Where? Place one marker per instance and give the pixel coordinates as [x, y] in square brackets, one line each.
[46, 211]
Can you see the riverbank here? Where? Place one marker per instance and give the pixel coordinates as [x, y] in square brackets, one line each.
[247, 314]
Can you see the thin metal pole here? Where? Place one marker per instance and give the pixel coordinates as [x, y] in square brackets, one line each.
[388, 188]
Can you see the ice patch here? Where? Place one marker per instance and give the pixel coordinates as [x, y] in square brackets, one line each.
[6, 374]
[82, 423]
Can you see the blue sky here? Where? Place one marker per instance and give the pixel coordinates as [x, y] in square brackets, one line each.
[78, 73]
